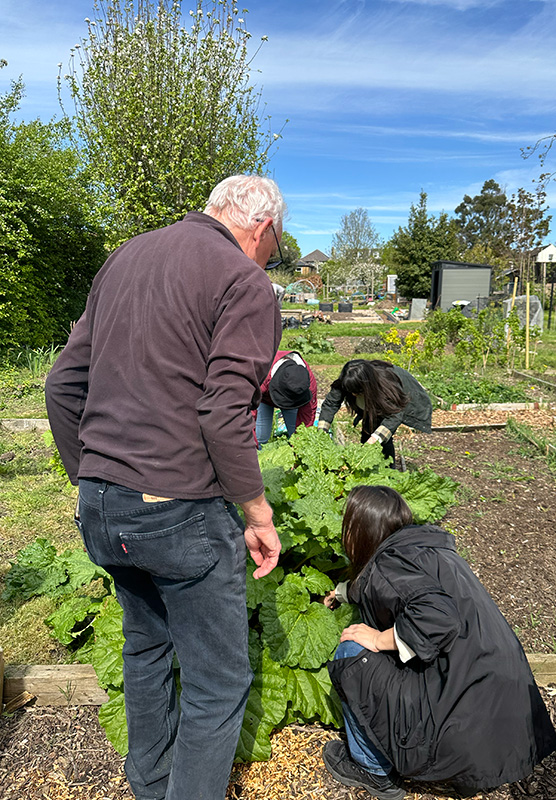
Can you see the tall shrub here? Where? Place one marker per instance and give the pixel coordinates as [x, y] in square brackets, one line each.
[50, 248]
[164, 111]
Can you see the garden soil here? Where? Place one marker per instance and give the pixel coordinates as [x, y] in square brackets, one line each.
[505, 526]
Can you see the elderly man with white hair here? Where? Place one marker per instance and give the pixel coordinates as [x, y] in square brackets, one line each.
[150, 405]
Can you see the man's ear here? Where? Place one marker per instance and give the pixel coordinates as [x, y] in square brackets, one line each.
[261, 230]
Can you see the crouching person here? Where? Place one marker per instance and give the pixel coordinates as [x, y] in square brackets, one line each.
[434, 684]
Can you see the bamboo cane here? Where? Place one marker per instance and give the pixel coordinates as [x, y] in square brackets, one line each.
[514, 293]
[527, 328]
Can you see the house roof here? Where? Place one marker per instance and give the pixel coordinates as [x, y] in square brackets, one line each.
[316, 256]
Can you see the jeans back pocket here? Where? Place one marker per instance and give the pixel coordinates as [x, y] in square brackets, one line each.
[181, 552]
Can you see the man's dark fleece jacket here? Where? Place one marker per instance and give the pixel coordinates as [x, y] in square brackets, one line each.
[155, 387]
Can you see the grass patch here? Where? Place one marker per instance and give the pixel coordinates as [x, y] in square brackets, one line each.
[24, 636]
[34, 502]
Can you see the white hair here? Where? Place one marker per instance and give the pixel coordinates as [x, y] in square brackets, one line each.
[244, 200]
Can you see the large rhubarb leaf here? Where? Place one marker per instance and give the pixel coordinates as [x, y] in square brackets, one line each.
[296, 630]
[111, 716]
[310, 692]
[106, 654]
[258, 588]
[68, 621]
[266, 707]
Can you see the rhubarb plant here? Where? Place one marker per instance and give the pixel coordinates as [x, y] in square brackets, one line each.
[292, 633]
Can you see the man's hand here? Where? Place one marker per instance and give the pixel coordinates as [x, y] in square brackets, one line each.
[369, 638]
[260, 535]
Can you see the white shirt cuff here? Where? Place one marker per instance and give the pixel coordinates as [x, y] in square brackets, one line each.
[404, 650]
[340, 591]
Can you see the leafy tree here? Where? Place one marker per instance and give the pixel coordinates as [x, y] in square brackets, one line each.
[529, 225]
[412, 249]
[164, 112]
[50, 248]
[356, 249]
[483, 254]
[483, 220]
[291, 251]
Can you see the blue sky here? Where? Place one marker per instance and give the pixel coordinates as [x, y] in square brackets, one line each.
[384, 97]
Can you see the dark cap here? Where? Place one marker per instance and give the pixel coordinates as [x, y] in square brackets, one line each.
[289, 386]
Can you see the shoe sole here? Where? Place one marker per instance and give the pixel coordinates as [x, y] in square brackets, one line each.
[395, 793]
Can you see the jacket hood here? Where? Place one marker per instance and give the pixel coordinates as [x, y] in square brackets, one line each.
[417, 536]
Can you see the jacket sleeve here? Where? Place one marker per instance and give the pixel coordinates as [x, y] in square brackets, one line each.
[426, 617]
[330, 407]
[244, 340]
[66, 393]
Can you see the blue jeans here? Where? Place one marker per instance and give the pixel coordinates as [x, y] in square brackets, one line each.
[361, 748]
[265, 416]
[179, 571]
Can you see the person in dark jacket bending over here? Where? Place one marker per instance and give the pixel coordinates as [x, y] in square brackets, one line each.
[434, 683]
[380, 395]
[290, 386]
[150, 405]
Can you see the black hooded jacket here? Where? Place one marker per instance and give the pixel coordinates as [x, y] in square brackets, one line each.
[466, 708]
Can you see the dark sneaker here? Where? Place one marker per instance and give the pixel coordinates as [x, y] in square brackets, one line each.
[348, 772]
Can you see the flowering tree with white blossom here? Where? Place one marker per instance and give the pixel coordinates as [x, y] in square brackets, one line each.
[164, 108]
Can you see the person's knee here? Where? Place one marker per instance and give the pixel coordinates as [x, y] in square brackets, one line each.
[348, 650]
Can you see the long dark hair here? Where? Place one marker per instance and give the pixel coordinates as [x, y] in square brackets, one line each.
[379, 385]
[372, 514]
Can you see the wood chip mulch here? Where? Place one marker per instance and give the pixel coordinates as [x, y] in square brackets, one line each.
[62, 754]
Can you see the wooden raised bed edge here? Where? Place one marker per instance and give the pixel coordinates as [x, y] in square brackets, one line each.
[534, 378]
[77, 685]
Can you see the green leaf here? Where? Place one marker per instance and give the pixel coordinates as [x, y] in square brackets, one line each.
[362, 459]
[106, 655]
[258, 588]
[112, 717]
[296, 631]
[316, 582]
[38, 570]
[266, 707]
[311, 693]
[345, 615]
[72, 611]
[323, 515]
[80, 569]
[316, 450]
[427, 494]
[276, 454]
[319, 484]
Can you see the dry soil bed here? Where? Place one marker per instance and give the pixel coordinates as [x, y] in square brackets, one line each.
[505, 525]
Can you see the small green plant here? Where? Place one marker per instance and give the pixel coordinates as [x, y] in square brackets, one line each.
[408, 351]
[39, 361]
[55, 461]
[463, 387]
[311, 341]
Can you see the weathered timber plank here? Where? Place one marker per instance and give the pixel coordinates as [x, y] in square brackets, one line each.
[40, 425]
[1, 678]
[55, 685]
[76, 684]
[543, 667]
[482, 426]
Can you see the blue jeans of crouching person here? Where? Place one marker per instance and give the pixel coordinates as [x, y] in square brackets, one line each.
[179, 572]
[361, 748]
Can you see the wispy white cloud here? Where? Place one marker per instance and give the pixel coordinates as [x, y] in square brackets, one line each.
[459, 5]
[391, 53]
